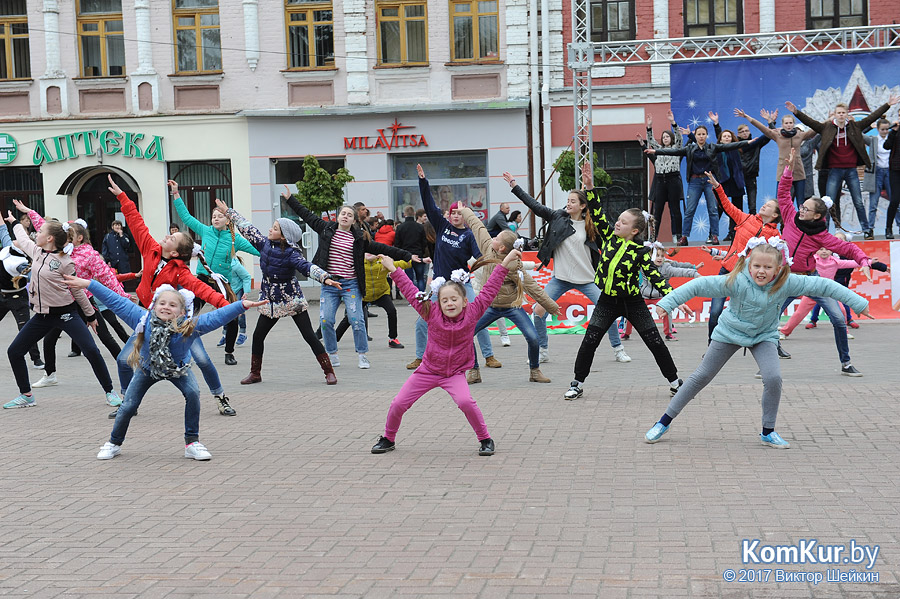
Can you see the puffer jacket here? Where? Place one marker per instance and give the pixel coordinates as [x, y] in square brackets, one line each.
[216, 244]
[560, 227]
[179, 345]
[753, 313]
[508, 295]
[450, 350]
[746, 226]
[361, 244]
[803, 246]
[377, 278]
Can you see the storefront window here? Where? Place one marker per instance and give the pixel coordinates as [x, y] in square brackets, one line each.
[453, 177]
[200, 185]
[21, 183]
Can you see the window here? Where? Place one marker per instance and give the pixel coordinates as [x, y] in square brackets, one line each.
[830, 14]
[200, 185]
[612, 20]
[198, 44]
[402, 33]
[310, 34]
[624, 163]
[25, 183]
[475, 31]
[101, 40]
[15, 57]
[713, 17]
[453, 177]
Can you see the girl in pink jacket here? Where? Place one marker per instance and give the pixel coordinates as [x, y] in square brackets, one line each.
[450, 350]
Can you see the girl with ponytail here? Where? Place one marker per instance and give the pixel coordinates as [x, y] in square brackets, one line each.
[220, 241]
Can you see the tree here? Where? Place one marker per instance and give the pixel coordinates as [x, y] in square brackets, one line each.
[319, 190]
[565, 166]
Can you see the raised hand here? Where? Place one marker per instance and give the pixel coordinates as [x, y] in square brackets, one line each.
[173, 187]
[649, 120]
[388, 263]
[511, 257]
[713, 116]
[21, 207]
[893, 99]
[791, 106]
[509, 179]
[684, 130]
[287, 193]
[740, 113]
[222, 206]
[9, 217]
[712, 179]
[420, 171]
[587, 173]
[792, 155]
[113, 188]
[251, 304]
[671, 116]
[75, 282]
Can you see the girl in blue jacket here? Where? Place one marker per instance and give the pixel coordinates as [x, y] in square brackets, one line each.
[162, 350]
[757, 286]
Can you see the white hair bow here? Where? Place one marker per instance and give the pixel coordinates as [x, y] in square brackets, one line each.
[657, 247]
[188, 304]
[67, 249]
[646, 216]
[80, 221]
[66, 226]
[775, 242]
[518, 244]
[828, 202]
[460, 276]
[198, 249]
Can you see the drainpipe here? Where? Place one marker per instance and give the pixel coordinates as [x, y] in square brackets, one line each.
[545, 98]
[535, 99]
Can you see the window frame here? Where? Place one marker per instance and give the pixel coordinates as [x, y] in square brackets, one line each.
[198, 38]
[601, 33]
[402, 19]
[712, 24]
[100, 19]
[475, 15]
[7, 37]
[310, 8]
[837, 16]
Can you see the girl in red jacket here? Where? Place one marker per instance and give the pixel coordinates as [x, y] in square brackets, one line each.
[167, 261]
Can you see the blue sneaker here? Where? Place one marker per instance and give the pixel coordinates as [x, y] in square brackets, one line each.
[221, 342]
[23, 401]
[241, 339]
[654, 434]
[773, 439]
[113, 399]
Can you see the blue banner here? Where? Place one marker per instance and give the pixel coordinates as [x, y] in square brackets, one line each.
[814, 83]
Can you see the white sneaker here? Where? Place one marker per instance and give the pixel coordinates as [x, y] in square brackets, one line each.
[850, 335]
[196, 451]
[781, 336]
[48, 380]
[621, 356]
[504, 340]
[334, 360]
[544, 354]
[364, 362]
[109, 451]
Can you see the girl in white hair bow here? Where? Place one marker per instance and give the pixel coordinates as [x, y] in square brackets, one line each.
[162, 351]
[760, 281]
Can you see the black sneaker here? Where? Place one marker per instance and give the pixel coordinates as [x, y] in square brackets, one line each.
[38, 364]
[783, 354]
[487, 447]
[383, 446]
[229, 360]
[74, 354]
[225, 408]
[112, 415]
[673, 389]
[849, 370]
[395, 343]
[869, 235]
[575, 391]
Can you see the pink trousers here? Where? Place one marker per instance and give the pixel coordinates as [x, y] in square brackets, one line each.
[796, 318]
[420, 383]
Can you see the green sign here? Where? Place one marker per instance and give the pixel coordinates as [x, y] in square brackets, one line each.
[88, 143]
[9, 149]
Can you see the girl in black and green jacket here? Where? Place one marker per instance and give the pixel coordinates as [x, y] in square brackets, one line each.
[622, 257]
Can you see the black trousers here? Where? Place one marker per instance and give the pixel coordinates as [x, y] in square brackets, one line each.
[264, 324]
[231, 329]
[894, 178]
[17, 304]
[607, 310]
[385, 302]
[750, 187]
[53, 336]
[667, 189]
[114, 323]
[42, 324]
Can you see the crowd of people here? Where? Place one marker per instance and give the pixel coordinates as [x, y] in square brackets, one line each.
[460, 275]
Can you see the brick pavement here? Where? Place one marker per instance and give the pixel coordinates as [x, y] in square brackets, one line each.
[572, 505]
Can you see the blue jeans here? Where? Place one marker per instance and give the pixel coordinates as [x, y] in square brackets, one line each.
[814, 317]
[418, 274]
[798, 192]
[520, 319]
[833, 190]
[696, 187]
[483, 337]
[331, 298]
[836, 315]
[882, 181]
[140, 383]
[198, 353]
[555, 290]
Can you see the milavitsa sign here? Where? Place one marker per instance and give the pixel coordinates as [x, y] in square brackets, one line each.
[88, 143]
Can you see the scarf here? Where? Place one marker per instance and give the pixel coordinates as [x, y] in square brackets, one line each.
[786, 133]
[162, 366]
[810, 227]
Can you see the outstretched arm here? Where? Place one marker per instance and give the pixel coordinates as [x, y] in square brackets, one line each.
[145, 242]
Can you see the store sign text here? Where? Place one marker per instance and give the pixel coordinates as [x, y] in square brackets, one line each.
[87, 143]
[382, 141]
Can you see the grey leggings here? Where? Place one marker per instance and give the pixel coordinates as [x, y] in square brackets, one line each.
[717, 354]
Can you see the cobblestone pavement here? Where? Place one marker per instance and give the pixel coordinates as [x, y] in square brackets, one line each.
[573, 504]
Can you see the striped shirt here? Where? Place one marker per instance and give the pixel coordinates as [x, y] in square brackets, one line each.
[340, 260]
